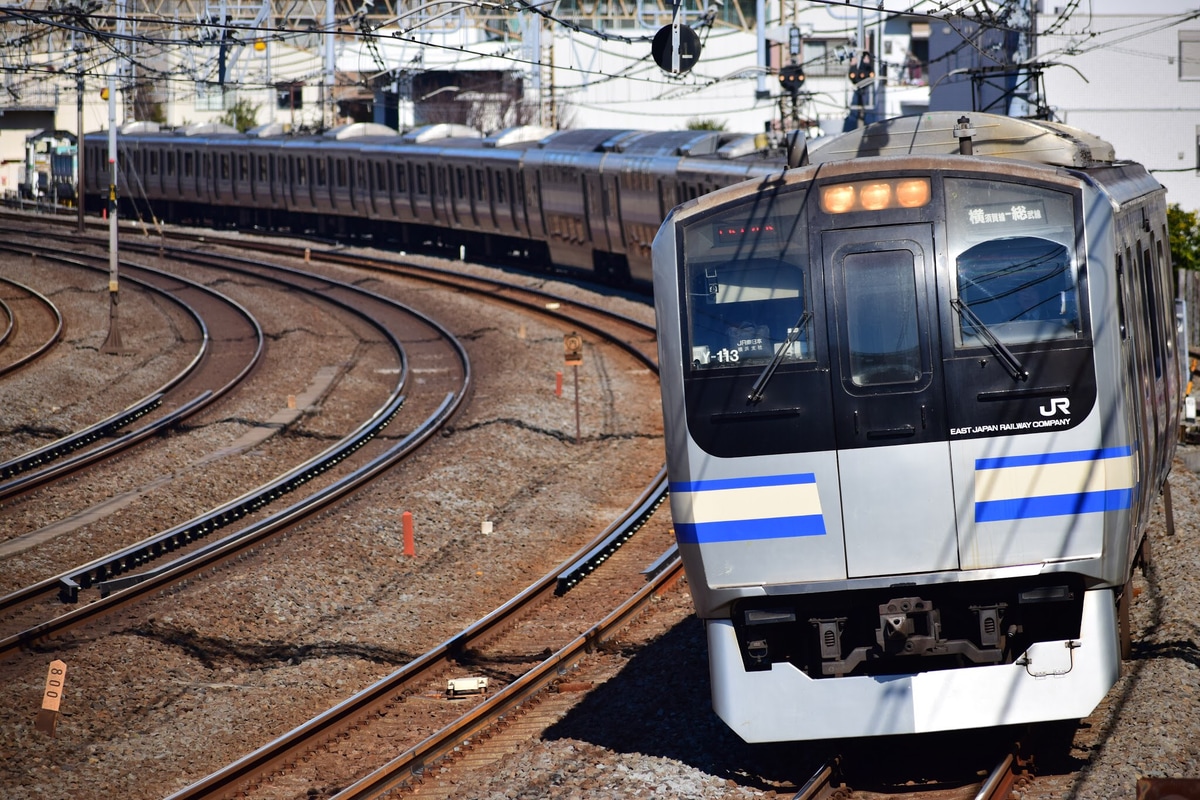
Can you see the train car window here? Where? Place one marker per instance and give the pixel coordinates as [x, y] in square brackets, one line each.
[748, 287]
[301, 172]
[1149, 296]
[881, 312]
[402, 178]
[1012, 246]
[1121, 290]
[243, 167]
[501, 181]
[154, 162]
[422, 180]
[224, 166]
[170, 163]
[189, 166]
[321, 176]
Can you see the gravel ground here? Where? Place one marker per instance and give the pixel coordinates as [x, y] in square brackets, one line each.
[214, 670]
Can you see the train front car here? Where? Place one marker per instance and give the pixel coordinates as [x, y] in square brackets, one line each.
[917, 406]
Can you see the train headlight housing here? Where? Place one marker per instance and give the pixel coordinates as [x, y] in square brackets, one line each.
[876, 195]
[838, 199]
[912, 193]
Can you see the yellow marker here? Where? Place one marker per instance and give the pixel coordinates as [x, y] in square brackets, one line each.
[47, 718]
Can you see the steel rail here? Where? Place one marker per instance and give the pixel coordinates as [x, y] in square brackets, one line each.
[282, 749]
[234, 544]
[43, 348]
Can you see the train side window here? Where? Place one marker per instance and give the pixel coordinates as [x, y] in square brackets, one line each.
[402, 178]
[1149, 297]
[422, 180]
[1022, 289]
[1121, 290]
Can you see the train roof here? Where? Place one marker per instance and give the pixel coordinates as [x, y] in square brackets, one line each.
[934, 133]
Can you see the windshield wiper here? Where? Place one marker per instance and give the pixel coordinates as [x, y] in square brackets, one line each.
[1011, 363]
[756, 391]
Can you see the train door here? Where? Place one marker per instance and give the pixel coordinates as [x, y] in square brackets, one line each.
[888, 400]
[593, 209]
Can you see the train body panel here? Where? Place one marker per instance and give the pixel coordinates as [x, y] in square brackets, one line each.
[1066, 678]
[917, 408]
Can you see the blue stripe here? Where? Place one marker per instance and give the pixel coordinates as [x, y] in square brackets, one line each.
[753, 482]
[743, 530]
[1053, 505]
[1040, 459]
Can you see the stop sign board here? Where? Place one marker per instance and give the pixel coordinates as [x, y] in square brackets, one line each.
[665, 46]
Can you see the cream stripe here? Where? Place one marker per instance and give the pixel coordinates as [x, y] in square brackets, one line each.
[764, 502]
[1074, 477]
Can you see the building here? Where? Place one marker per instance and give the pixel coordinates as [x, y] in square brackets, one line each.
[311, 64]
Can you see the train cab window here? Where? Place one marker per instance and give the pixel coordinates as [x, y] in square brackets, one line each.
[1021, 288]
[745, 312]
[1012, 247]
[748, 288]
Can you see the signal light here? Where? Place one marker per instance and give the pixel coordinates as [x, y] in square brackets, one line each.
[861, 70]
[791, 77]
[104, 93]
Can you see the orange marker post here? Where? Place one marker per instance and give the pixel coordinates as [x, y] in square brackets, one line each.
[409, 548]
[47, 719]
[558, 384]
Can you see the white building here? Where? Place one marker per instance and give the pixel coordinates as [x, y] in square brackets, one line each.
[1131, 74]
[588, 63]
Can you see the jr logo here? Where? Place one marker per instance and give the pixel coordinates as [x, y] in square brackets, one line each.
[1057, 404]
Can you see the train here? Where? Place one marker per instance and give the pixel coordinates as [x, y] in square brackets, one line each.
[51, 167]
[921, 381]
[921, 389]
[581, 201]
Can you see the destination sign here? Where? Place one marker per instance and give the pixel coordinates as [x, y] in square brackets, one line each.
[1007, 215]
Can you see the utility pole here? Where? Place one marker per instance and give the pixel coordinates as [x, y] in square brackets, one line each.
[79, 147]
[112, 345]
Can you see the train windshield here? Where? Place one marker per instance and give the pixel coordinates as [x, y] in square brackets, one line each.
[747, 285]
[1014, 263]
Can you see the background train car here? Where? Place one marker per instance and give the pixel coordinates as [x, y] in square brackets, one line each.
[581, 200]
[51, 161]
[919, 397]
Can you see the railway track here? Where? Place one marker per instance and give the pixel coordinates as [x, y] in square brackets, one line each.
[547, 305]
[123, 568]
[30, 323]
[526, 645]
[220, 324]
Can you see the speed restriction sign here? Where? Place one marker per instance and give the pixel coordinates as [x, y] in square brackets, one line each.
[573, 349]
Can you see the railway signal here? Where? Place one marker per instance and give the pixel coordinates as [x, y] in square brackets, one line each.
[676, 48]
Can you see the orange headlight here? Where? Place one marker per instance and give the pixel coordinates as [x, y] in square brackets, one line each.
[838, 199]
[875, 196]
[912, 193]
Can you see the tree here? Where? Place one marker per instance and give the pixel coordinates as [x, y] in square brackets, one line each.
[699, 124]
[241, 115]
[1183, 229]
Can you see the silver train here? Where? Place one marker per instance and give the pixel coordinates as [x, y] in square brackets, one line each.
[920, 392]
[583, 200]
